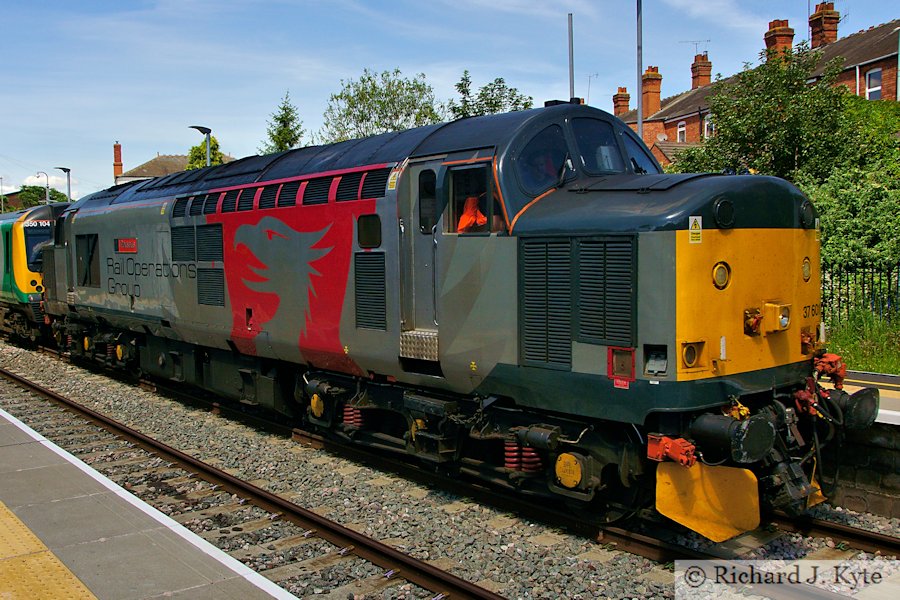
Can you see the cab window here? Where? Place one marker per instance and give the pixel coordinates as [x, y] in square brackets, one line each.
[542, 160]
[473, 207]
[641, 161]
[35, 238]
[597, 145]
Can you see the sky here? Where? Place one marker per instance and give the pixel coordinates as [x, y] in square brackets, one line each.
[75, 77]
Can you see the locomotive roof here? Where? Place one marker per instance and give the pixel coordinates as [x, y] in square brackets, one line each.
[387, 148]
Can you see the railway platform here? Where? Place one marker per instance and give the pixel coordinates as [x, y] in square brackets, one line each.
[67, 531]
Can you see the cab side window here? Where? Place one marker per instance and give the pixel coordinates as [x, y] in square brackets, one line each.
[427, 201]
[470, 211]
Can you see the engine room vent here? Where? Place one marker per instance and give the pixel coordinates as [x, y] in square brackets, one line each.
[209, 242]
[375, 182]
[546, 303]
[209, 204]
[348, 188]
[229, 203]
[245, 202]
[371, 310]
[183, 244]
[211, 287]
[196, 207]
[606, 281]
[268, 195]
[317, 191]
[288, 194]
[180, 207]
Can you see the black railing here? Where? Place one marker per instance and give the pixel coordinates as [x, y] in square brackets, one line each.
[865, 288]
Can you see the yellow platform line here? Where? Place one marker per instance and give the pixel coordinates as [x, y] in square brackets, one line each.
[28, 570]
[892, 386]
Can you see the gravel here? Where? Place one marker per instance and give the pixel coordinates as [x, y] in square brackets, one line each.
[513, 556]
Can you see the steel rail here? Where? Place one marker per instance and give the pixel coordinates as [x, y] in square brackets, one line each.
[396, 563]
[861, 539]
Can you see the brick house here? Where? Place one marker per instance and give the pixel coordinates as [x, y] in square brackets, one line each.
[163, 164]
[681, 121]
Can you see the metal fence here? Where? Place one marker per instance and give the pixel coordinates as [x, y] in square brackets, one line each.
[868, 288]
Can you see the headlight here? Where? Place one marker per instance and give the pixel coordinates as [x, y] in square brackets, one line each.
[721, 275]
[806, 269]
[784, 318]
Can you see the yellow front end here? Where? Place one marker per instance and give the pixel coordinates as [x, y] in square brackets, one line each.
[746, 300]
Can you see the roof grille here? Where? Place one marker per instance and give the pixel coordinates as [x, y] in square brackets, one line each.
[196, 207]
[209, 205]
[180, 207]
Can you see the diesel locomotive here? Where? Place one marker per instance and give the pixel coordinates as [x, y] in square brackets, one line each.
[523, 298]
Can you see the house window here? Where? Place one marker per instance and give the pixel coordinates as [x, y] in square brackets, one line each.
[682, 132]
[873, 84]
[709, 128]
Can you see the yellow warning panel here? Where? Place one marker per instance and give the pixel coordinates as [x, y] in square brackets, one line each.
[28, 570]
[716, 502]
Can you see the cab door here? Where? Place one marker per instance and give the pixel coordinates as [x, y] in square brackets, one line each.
[420, 239]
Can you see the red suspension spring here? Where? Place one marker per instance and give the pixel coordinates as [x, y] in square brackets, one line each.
[110, 351]
[512, 455]
[353, 416]
[531, 460]
[68, 341]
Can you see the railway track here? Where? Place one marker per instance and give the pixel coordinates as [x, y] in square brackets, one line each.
[657, 546]
[255, 526]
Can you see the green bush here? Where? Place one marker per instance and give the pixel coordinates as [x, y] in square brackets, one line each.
[866, 342]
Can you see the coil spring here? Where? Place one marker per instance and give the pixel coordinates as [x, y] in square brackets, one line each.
[111, 351]
[68, 341]
[531, 460]
[512, 455]
[353, 416]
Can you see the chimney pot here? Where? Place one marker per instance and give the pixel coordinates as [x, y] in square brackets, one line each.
[650, 93]
[621, 100]
[823, 24]
[779, 37]
[117, 160]
[701, 71]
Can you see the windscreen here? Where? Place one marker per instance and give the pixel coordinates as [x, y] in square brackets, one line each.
[598, 147]
[36, 233]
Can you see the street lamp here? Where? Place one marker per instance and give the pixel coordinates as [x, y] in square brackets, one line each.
[2, 197]
[48, 186]
[67, 171]
[205, 131]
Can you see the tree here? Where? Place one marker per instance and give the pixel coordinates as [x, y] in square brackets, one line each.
[285, 129]
[35, 195]
[378, 103]
[770, 119]
[494, 97]
[197, 154]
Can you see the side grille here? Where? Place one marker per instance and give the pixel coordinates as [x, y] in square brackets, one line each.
[546, 303]
[196, 206]
[183, 244]
[317, 191]
[245, 202]
[606, 279]
[211, 287]
[348, 188]
[38, 313]
[371, 312]
[180, 207]
[229, 203]
[209, 205]
[209, 242]
[268, 195]
[288, 194]
[375, 182]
